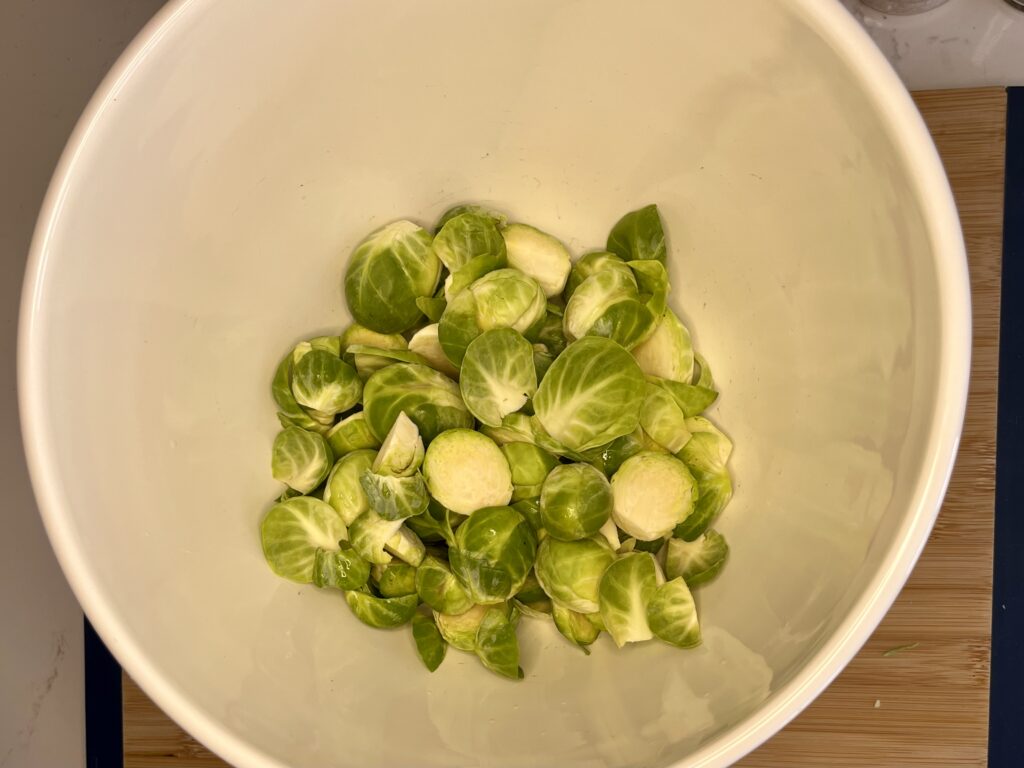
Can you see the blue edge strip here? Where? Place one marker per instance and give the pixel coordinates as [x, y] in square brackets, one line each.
[1006, 718]
[104, 726]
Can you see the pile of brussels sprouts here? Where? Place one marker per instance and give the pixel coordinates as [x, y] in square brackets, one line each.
[502, 433]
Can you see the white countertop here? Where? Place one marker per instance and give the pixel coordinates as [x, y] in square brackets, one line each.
[52, 55]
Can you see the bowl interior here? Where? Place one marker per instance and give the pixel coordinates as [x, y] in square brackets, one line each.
[204, 227]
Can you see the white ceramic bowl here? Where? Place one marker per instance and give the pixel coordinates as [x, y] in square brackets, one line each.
[199, 224]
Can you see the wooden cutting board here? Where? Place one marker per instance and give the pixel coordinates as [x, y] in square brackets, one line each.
[925, 705]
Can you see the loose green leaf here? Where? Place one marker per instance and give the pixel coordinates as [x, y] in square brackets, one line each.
[430, 645]
[382, 612]
[430, 399]
[341, 569]
[672, 615]
[344, 490]
[696, 562]
[496, 644]
[570, 572]
[438, 588]
[575, 627]
[627, 586]
[351, 434]
[493, 554]
[639, 235]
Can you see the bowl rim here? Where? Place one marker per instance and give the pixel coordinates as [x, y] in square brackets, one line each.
[905, 126]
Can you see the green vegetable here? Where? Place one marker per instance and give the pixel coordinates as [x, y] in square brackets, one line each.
[498, 375]
[663, 420]
[368, 360]
[370, 533]
[570, 572]
[406, 545]
[575, 501]
[672, 615]
[532, 600]
[668, 352]
[470, 246]
[639, 235]
[401, 453]
[575, 627]
[341, 569]
[438, 587]
[497, 218]
[344, 490]
[430, 399]
[697, 561]
[465, 471]
[430, 646]
[493, 554]
[396, 580]
[706, 454]
[387, 272]
[652, 494]
[351, 434]
[434, 525]
[460, 630]
[357, 334]
[292, 532]
[595, 263]
[530, 465]
[496, 644]
[538, 255]
[382, 612]
[425, 343]
[610, 304]
[300, 459]
[324, 383]
[628, 585]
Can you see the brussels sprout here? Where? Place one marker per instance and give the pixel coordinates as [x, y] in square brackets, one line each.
[549, 331]
[652, 280]
[639, 235]
[653, 493]
[591, 264]
[662, 419]
[609, 457]
[430, 399]
[430, 646]
[611, 535]
[382, 612]
[460, 630]
[465, 471]
[515, 428]
[505, 298]
[290, 413]
[470, 246]
[609, 304]
[425, 343]
[689, 398]
[575, 627]
[496, 644]
[532, 600]
[498, 219]
[575, 501]
[370, 533]
[368, 360]
[433, 307]
[357, 334]
[342, 569]
[351, 434]
[434, 524]
[596, 620]
[387, 272]
[672, 615]
[530, 510]
[343, 489]
[668, 352]
[300, 459]
[406, 545]
[293, 530]
[493, 554]
[396, 580]
[708, 450]
[626, 588]
[401, 453]
[497, 375]
[591, 395]
[530, 465]
[570, 571]
[538, 255]
[438, 588]
[696, 562]
[706, 455]
[715, 492]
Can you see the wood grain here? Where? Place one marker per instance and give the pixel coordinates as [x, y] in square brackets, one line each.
[933, 698]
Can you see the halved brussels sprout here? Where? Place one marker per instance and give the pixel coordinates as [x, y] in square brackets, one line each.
[460, 630]
[368, 360]
[639, 235]
[570, 571]
[493, 554]
[498, 219]
[662, 419]
[575, 501]
[387, 272]
[401, 453]
[290, 413]
[406, 545]
[465, 471]
[341, 569]
[696, 562]
[382, 612]
[505, 298]
[575, 627]
[591, 395]
[396, 579]
[549, 332]
[538, 255]
[430, 399]
[370, 533]
[668, 352]
[324, 383]
[706, 455]
[497, 376]
[672, 615]
[357, 334]
[628, 585]
[430, 645]
[653, 493]
[293, 530]
[532, 600]
[496, 644]
[438, 587]
[594, 263]
[351, 434]
[609, 304]
[344, 490]
[300, 459]
[470, 246]
[425, 343]
[530, 465]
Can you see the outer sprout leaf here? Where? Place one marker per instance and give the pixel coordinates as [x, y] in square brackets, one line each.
[499, 219]
[341, 569]
[493, 554]
[530, 465]
[425, 343]
[668, 352]
[438, 588]
[396, 580]
[343, 490]
[575, 627]
[663, 420]
[498, 375]
[290, 413]
[496, 644]
[293, 530]
[672, 615]
[591, 264]
[639, 235]
[626, 588]
[368, 360]
[430, 646]
[430, 399]
[696, 562]
[351, 434]
[382, 612]
[467, 236]
[369, 533]
[460, 630]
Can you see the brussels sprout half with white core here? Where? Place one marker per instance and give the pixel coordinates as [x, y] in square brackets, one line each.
[466, 471]
[425, 344]
[395, 498]
[430, 645]
[290, 413]
[351, 434]
[387, 272]
[652, 494]
[438, 587]
[340, 569]
[696, 562]
[591, 395]
[401, 453]
[382, 612]
[662, 420]
[530, 466]
[300, 459]
[672, 615]
[292, 532]
[498, 375]
[570, 571]
[344, 489]
[626, 588]
[575, 501]
[591, 264]
[639, 235]
[406, 546]
[497, 646]
[505, 298]
[538, 255]
[493, 554]
[370, 533]
[575, 627]
[460, 630]
[668, 352]
[430, 399]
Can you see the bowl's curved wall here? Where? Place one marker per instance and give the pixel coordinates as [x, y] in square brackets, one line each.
[201, 226]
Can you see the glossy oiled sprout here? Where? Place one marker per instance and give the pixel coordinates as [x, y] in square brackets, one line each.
[503, 433]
